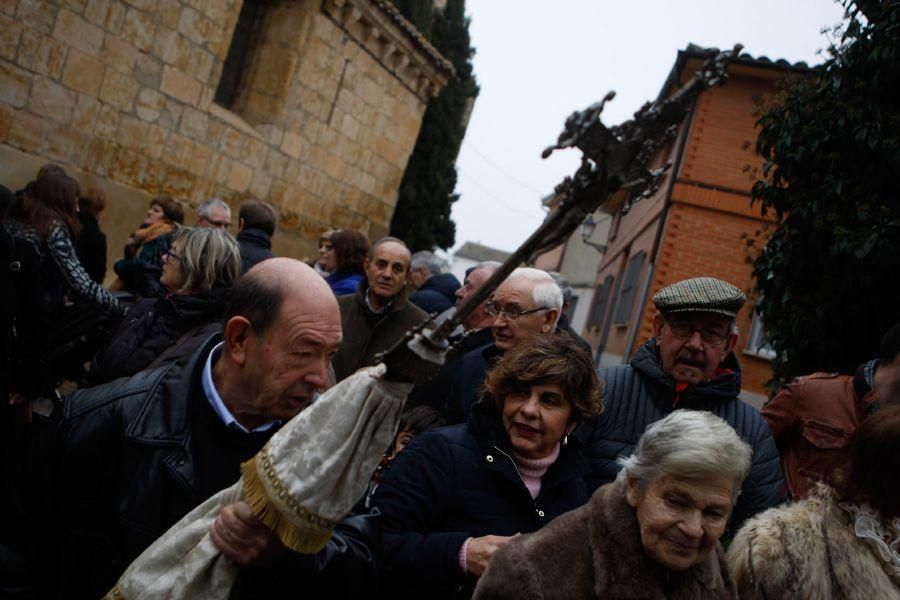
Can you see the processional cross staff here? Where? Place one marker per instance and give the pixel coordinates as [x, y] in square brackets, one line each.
[311, 473]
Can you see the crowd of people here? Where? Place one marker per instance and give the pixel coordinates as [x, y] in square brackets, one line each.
[519, 470]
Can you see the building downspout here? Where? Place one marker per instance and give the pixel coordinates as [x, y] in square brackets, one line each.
[664, 217]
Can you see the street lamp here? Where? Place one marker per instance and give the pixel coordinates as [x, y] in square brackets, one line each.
[587, 230]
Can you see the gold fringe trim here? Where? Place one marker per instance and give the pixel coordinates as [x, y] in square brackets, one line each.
[297, 527]
[114, 594]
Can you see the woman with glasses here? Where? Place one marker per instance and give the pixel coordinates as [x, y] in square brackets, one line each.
[139, 269]
[197, 274]
[456, 495]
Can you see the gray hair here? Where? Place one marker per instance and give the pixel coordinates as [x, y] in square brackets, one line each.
[546, 293]
[424, 259]
[210, 258]
[688, 444]
[206, 207]
[563, 284]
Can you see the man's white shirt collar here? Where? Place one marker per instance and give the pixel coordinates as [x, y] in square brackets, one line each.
[215, 400]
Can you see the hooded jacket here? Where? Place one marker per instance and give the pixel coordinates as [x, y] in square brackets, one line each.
[367, 333]
[460, 482]
[437, 294]
[639, 394]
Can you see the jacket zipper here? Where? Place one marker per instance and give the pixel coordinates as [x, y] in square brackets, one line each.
[522, 479]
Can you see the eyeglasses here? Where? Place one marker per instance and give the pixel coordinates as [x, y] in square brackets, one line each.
[685, 330]
[169, 255]
[493, 309]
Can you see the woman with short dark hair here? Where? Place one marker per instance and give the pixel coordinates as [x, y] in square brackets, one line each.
[140, 268]
[198, 272]
[346, 259]
[454, 496]
[842, 541]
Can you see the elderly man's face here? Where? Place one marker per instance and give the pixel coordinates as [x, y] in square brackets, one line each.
[477, 318]
[387, 269]
[681, 519]
[692, 345]
[287, 364]
[516, 296]
[218, 218]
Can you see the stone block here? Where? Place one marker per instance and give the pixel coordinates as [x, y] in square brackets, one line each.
[335, 167]
[260, 185]
[218, 168]
[128, 166]
[26, 132]
[50, 99]
[194, 123]
[172, 47]
[350, 127]
[239, 177]
[232, 142]
[214, 132]
[179, 85]
[254, 153]
[149, 104]
[119, 54]
[65, 144]
[14, 84]
[87, 108]
[195, 26]
[6, 119]
[8, 7]
[119, 90]
[39, 16]
[41, 54]
[139, 28]
[98, 156]
[179, 182]
[292, 144]
[200, 64]
[177, 151]
[82, 72]
[169, 12]
[171, 114]
[78, 33]
[148, 70]
[107, 122]
[10, 33]
[156, 141]
[198, 159]
[276, 162]
[132, 132]
[272, 134]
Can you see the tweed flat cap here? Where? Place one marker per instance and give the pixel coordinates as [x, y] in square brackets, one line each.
[700, 294]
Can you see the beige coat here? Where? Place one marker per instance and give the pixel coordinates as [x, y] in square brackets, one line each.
[807, 551]
[596, 552]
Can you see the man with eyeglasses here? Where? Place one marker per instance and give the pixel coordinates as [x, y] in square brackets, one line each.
[689, 363]
[214, 213]
[526, 304]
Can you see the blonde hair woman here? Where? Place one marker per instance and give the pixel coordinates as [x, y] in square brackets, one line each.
[197, 274]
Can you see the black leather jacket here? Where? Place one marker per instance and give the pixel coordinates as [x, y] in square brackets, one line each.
[124, 471]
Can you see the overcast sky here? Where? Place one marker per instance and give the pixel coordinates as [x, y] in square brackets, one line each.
[537, 61]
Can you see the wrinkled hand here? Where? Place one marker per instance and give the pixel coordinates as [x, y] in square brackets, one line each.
[242, 537]
[480, 551]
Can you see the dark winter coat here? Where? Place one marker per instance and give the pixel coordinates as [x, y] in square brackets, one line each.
[158, 329]
[367, 333]
[596, 552]
[91, 247]
[639, 394]
[437, 294]
[465, 387]
[141, 271]
[256, 246]
[127, 460]
[563, 326]
[461, 482]
[343, 283]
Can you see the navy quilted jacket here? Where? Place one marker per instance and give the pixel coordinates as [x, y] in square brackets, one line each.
[640, 394]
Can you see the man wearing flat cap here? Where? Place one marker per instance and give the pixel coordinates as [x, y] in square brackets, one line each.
[688, 363]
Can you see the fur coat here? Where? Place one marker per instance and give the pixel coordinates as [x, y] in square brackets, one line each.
[596, 552]
[807, 551]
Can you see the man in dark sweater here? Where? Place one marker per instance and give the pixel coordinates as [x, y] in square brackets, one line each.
[132, 457]
[256, 226]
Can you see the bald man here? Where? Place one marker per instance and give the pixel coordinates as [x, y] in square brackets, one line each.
[134, 456]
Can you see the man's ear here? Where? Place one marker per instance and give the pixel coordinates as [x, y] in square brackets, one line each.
[730, 341]
[549, 319]
[237, 334]
[240, 224]
[657, 325]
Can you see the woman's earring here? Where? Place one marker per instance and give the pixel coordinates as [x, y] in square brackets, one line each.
[565, 440]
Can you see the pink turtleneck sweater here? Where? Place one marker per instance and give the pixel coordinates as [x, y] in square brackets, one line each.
[532, 471]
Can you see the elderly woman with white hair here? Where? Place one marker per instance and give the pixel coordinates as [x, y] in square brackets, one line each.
[653, 533]
[197, 274]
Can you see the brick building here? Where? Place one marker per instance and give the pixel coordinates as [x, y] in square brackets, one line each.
[312, 105]
[696, 223]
